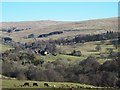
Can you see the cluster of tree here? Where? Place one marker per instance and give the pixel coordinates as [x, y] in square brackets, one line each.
[51, 33]
[50, 45]
[6, 40]
[24, 65]
[13, 29]
[41, 46]
[75, 53]
[86, 38]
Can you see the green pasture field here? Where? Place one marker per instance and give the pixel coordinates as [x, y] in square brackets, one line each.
[19, 83]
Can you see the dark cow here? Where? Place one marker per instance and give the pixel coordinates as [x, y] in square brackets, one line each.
[35, 84]
[46, 84]
[26, 84]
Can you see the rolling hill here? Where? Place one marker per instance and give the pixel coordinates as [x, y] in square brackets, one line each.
[69, 28]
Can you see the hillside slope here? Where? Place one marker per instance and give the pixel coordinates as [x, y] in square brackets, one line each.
[43, 27]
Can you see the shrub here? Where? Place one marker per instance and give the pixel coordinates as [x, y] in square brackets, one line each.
[76, 53]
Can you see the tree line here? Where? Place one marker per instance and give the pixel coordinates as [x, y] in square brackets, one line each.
[87, 38]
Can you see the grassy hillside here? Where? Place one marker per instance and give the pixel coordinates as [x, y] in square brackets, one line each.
[41, 27]
[86, 49]
[18, 83]
[3, 48]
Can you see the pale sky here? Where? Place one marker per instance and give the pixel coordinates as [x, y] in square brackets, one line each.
[59, 11]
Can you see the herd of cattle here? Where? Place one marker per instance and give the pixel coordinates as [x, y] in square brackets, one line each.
[26, 84]
[33, 84]
[55, 87]
[64, 86]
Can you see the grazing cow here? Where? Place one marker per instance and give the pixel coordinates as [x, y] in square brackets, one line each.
[35, 84]
[26, 84]
[46, 84]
